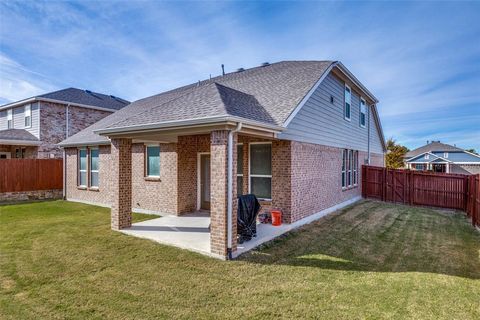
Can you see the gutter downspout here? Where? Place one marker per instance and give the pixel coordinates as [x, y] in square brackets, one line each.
[230, 188]
[64, 176]
[368, 134]
[67, 128]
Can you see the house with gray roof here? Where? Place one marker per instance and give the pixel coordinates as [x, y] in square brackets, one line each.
[32, 128]
[440, 157]
[293, 133]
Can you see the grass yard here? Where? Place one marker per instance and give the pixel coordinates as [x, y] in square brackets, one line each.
[373, 260]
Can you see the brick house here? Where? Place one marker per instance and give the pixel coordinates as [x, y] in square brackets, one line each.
[32, 128]
[293, 133]
[441, 157]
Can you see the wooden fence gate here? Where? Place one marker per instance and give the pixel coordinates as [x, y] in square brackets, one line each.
[451, 191]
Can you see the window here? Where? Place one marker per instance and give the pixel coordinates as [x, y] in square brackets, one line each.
[363, 113]
[349, 168]
[82, 167]
[445, 155]
[427, 156]
[28, 116]
[94, 168]
[153, 161]
[261, 170]
[10, 119]
[344, 168]
[239, 169]
[348, 101]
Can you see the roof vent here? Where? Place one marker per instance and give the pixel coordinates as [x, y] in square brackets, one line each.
[240, 70]
[88, 91]
[113, 97]
[265, 64]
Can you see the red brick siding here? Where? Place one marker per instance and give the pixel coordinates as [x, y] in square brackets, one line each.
[121, 184]
[29, 153]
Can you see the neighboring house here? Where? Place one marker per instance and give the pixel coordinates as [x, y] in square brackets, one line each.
[440, 157]
[294, 133]
[32, 128]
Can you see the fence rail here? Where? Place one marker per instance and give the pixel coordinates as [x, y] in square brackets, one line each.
[452, 191]
[17, 175]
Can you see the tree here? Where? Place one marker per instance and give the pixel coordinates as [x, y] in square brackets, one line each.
[395, 154]
[472, 151]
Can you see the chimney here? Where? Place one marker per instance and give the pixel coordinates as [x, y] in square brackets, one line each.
[223, 70]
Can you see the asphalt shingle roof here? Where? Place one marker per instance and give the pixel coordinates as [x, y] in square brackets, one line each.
[17, 134]
[431, 147]
[90, 98]
[267, 93]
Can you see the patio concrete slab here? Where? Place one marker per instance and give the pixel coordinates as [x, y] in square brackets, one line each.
[190, 231]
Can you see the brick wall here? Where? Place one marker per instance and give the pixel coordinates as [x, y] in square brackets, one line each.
[29, 151]
[159, 195]
[121, 183]
[31, 195]
[53, 125]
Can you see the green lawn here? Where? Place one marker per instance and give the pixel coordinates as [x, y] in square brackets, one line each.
[61, 260]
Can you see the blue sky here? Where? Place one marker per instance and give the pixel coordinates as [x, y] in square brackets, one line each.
[421, 59]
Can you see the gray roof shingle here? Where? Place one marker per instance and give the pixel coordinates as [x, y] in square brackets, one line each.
[17, 134]
[431, 147]
[267, 93]
[85, 97]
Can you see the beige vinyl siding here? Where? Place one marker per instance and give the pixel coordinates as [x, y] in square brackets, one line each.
[19, 119]
[322, 122]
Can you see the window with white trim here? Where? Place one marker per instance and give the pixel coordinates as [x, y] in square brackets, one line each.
[348, 103]
[239, 169]
[445, 155]
[82, 167]
[94, 163]
[28, 115]
[427, 156]
[363, 113]
[152, 161]
[10, 119]
[349, 168]
[261, 170]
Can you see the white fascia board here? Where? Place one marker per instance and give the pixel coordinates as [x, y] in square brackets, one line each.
[20, 142]
[30, 100]
[178, 124]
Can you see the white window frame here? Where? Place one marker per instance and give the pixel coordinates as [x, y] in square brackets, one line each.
[445, 155]
[344, 168]
[80, 170]
[28, 115]
[349, 118]
[240, 174]
[427, 156]
[363, 111]
[89, 167]
[350, 168]
[250, 176]
[9, 118]
[355, 168]
[146, 160]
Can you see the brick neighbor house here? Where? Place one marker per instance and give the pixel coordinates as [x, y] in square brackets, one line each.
[32, 128]
[293, 133]
[441, 157]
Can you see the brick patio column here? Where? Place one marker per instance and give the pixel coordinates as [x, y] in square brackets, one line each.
[121, 184]
[218, 192]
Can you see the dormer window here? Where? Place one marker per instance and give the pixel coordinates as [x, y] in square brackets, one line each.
[10, 119]
[427, 156]
[445, 155]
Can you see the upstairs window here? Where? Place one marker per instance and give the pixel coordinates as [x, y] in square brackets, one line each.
[153, 161]
[28, 116]
[427, 156]
[94, 168]
[261, 170]
[82, 167]
[348, 103]
[445, 155]
[363, 113]
[10, 119]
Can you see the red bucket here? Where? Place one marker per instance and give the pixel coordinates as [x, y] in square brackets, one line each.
[276, 217]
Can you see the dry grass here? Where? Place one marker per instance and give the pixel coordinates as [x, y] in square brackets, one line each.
[61, 260]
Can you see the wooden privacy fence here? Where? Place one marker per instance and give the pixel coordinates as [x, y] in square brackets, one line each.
[452, 191]
[17, 175]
